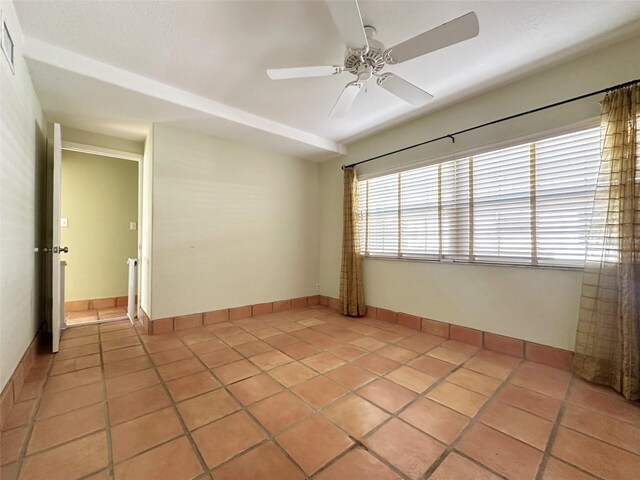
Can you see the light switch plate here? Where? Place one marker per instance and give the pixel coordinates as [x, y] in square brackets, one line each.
[64, 222]
[133, 226]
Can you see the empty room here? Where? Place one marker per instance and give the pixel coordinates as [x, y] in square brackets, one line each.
[323, 240]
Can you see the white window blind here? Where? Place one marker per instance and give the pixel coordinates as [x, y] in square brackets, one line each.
[502, 207]
[382, 221]
[419, 224]
[527, 204]
[455, 194]
[566, 175]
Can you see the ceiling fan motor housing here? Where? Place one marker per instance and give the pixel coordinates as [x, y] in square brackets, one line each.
[374, 57]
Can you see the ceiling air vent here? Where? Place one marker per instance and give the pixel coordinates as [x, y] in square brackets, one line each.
[6, 42]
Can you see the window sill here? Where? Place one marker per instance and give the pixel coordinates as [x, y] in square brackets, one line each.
[484, 264]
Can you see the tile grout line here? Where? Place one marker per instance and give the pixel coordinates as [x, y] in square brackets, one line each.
[555, 423]
[552, 436]
[107, 420]
[36, 409]
[357, 443]
[224, 387]
[392, 415]
[272, 437]
[554, 433]
[581, 470]
[187, 433]
[243, 407]
[97, 322]
[606, 442]
[105, 400]
[422, 394]
[317, 411]
[566, 403]
[79, 437]
[64, 442]
[32, 420]
[419, 395]
[451, 447]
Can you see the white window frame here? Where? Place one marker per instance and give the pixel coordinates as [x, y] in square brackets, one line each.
[590, 123]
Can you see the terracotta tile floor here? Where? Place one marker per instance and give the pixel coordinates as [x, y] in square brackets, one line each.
[308, 394]
[91, 316]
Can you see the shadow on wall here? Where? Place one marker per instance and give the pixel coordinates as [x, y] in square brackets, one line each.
[40, 222]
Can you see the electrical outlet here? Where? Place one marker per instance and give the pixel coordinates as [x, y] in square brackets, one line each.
[317, 287]
[133, 226]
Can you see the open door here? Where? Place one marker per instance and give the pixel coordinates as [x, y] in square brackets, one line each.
[57, 303]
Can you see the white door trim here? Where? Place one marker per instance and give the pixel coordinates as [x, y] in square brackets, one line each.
[105, 152]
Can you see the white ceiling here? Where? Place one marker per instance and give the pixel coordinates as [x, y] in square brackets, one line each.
[114, 67]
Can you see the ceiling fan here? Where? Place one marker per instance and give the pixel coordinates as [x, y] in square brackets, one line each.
[366, 57]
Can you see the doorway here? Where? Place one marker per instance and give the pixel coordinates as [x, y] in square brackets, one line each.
[99, 225]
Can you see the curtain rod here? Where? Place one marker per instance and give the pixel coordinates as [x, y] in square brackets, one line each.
[493, 122]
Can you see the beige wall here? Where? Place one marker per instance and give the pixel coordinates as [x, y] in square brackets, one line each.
[533, 304]
[99, 199]
[22, 186]
[232, 225]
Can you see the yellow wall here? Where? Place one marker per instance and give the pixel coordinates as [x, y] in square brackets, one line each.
[99, 199]
[533, 304]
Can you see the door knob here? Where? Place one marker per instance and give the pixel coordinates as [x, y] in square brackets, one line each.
[60, 249]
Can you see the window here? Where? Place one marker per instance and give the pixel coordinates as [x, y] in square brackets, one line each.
[528, 204]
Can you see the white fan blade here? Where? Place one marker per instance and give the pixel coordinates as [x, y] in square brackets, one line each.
[450, 33]
[346, 16]
[302, 72]
[407, 91]
[346, 99]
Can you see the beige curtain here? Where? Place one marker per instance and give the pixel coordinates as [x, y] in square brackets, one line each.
[607, 341]
[351, 289]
